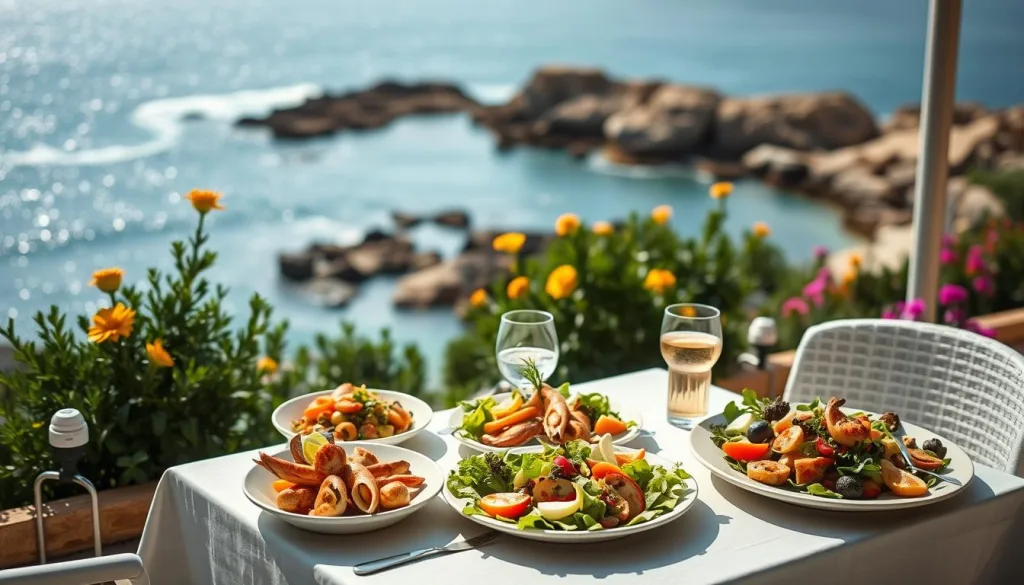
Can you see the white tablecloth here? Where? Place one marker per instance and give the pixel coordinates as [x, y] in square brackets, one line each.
[202, 530]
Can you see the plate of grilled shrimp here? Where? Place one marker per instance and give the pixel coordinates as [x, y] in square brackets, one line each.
[541, 414]
[324, 487]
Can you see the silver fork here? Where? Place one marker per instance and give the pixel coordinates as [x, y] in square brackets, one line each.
[898, 435]
[371, 567]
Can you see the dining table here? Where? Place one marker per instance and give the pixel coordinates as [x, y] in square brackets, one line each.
[202, 530]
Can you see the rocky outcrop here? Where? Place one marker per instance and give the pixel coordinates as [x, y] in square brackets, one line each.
[361, 110]
[675, 119]
[453, 218]
[444, 284]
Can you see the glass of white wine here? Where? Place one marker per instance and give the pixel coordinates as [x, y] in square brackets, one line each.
[525, 336]
[691, 343]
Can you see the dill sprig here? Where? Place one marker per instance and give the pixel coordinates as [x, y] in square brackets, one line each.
[532, 373]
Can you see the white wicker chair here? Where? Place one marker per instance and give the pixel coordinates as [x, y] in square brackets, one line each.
[959, 384]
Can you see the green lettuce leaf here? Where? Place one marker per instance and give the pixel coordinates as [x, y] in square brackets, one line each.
[641, 472]
[564, 390]
[475, 415]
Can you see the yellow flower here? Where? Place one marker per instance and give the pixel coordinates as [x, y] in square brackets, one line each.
[849, 276]
[107, 280]
[603, 228]
[111, 324]
[689, 311]
[517, 287]
[204, 201]
[567, 224]
[158, 356]
[658, 280]
[721, 190]
[761, 229]
[856, 260]
[561, 282]
[509, 243]
[478, 298]
[661, 214]
[38, 424]
[266, 365]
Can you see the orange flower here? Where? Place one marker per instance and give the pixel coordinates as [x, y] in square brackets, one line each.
[158, 356]
[204, 201]
[567, 224]
[517, 287]
[603, 228]
[689, 311]
[721, 190]
[761, 229]
[561, 282]
[478, 298]
[509, 243]
[266, 365]
[659, 280]
[111, 324]
[856, 260]
[661, 214]
[107, 280]
[849, 276]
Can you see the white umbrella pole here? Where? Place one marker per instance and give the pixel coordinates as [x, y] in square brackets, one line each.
[937, 101]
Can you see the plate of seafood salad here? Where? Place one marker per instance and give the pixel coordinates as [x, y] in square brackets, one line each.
[542, 414]
[824, 456]
[321, 486]
[577, 492]
[354, 413]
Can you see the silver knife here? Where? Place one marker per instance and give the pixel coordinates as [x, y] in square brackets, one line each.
[371, 567]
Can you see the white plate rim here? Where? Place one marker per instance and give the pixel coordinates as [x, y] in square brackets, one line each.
[283, 423]
[420, 499]
[702, 449]
[547, 535]
[455, 419]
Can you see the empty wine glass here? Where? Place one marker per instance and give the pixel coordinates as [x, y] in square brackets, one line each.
[524, 336]
[691, 343]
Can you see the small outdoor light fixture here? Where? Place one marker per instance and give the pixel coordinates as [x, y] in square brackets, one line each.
[762, 336]
[69, 435]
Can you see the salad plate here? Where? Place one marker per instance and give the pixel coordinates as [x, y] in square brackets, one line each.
[820, 455]
[467, 420]
[370, 486]
[353, 413]
[563, 494]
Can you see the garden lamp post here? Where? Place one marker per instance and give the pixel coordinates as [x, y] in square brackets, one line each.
[937, 101]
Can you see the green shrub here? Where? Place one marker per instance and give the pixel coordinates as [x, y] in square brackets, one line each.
[607, 290]
[1008, 186]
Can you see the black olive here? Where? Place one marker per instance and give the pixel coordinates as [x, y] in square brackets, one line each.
[777, 410]
[935, 446]
[849, 486]
[760, 432]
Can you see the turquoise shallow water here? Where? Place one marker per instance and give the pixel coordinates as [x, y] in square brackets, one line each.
[95, 148]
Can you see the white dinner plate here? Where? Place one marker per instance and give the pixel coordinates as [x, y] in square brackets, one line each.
[578, 536]
[292, 410]
[960, 467]
[257, 487]
[455, 421]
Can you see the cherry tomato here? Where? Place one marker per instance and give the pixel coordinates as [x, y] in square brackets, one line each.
[506, 505]
[741, 451]
[568, 469]
[824, 449]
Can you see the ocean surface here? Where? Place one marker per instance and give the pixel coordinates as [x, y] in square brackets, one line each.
[110, 110]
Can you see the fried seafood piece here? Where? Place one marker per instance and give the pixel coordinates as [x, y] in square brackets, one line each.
[297, 500]
[408, 480]
[386, 469]
[515, 435]
[330, 459]
[556, 414]
[295, 446]
[394, 495]
[579, 426]
[843, 429]
[362, 486]
[332, 499]
[296, 473]
[362, 457]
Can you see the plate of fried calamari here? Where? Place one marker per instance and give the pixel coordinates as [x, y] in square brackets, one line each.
[347, 488]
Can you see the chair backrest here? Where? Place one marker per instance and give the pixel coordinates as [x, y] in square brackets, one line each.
[960, 385]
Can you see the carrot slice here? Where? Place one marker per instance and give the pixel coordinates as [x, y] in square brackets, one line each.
[348, 406]
[516, 417]
[507, 407]
[607, 425]
[280, 485]
[624, 458]
[320, 405]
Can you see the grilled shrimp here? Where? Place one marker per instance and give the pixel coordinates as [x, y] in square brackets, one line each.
[294, 472]
[844, 430]
[556, 414]
[768, 472]
[514, 435]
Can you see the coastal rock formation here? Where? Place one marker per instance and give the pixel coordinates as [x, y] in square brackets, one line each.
[361, 110]
[676, 118]
[443, 285]
[453, 218]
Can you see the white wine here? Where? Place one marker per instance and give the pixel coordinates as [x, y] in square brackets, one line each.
[512, 360]
[690, 356]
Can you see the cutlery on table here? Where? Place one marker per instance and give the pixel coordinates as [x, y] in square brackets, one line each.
[898, 434]
[371, 567]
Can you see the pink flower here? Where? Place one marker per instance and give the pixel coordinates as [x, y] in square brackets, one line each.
[947, 256]
[953, 316]
[913, 310]
[948, 239]
[952, 294]
[984, 285]
[795, 305]
[975, 261]
[973, 325]
[820, 252]
[890, 314]
[815, 290]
